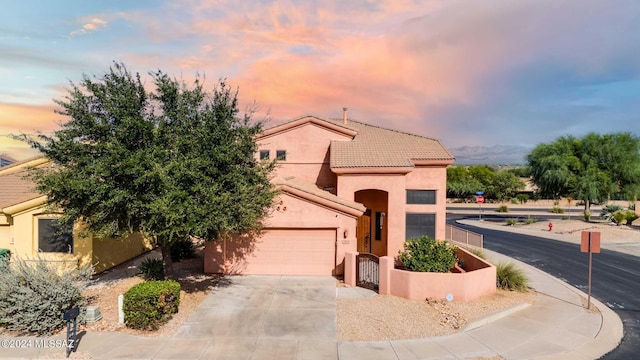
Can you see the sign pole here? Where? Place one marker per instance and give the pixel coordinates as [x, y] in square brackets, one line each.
[590, 242]
[590, 262]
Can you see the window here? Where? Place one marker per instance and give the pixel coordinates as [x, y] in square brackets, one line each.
[281, 155]
[264, 154]
[53, 237]
[379, 223]
[421, 197]
[420, 224]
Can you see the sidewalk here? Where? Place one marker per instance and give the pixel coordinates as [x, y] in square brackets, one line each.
[556, 326]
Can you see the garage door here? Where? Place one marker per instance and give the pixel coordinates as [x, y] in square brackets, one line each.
[294, 252]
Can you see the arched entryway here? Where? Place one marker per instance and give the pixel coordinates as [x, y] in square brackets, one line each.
[372, 226]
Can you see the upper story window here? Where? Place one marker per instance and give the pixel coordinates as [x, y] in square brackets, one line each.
[281, 155]
[264, 154]
[421, 197]
[53, 237]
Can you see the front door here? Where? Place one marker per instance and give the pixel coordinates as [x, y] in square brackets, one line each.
[363, 232]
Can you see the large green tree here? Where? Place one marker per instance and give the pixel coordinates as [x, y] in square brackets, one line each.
[594, 168]
[173, 163]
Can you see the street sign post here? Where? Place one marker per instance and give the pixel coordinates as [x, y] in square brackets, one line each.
[590, 242]
[479, 200]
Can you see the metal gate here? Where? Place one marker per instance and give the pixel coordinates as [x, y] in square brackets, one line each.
[367, 271]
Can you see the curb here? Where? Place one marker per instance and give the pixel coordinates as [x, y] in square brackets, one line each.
[494, 317]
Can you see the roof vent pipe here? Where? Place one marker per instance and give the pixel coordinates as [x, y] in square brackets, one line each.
[344, 115]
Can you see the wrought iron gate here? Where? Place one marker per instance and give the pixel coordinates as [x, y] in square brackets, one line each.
[367, 271]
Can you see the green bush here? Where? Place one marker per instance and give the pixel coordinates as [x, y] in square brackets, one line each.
[477, 252]
[522, 198]
[428, 255]
[608, 212]
[630, 216]
[618, 217]
[530, 221]
[587, 215]
[151, 269]
[512, 221]
[182, 249]
[509, 277]
[514, 201]
[502, 209]
[557, 210]
[150, 304]
[35, 293]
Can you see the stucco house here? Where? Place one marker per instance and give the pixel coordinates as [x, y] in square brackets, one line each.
[28, 228]
[344, 186]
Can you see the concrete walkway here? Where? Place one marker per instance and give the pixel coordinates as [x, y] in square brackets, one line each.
[281, 317]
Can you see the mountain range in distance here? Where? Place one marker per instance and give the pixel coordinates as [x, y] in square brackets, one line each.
[491, 155]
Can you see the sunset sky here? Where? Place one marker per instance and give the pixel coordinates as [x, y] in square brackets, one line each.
[469, 72]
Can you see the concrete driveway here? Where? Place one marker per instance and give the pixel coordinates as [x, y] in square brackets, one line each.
[266, 317]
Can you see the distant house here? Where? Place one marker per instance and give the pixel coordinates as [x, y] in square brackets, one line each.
[28, 228]
[344, 186]
[6, 160]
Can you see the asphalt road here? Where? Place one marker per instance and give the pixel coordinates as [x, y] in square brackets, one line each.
[615, 276]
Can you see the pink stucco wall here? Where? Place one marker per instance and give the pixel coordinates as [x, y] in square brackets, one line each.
[394, 185]
[478, 280]
[430, 178]
[307, 148]
[297, 216]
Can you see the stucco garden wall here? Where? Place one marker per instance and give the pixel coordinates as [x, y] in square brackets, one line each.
[479, 279]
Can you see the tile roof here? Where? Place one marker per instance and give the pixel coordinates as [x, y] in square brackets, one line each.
[15, 185]
[375, 146]
[312, 189]
[15, 188]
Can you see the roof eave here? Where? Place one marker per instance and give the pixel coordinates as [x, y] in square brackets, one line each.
[373, 170]
[433, 162]
[304, 120]
[356, 211]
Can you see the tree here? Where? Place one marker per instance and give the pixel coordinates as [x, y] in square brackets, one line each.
[506, 185]
[594, 168]
[173, 164]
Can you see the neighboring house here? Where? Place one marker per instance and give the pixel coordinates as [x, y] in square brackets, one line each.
[27, 228]
[345, 186]
[6, 160]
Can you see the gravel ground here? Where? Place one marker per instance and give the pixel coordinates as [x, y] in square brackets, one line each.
[386, 317]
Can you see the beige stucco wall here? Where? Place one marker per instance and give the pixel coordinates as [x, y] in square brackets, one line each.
[109, 252]
[21, 237]
[5, 236]
[307, 148]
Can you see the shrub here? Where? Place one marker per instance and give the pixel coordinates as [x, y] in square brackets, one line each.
[477, 252]
[618, 217]
[152, 269]
[150, 304]
[530, 221]
[509, 277]
[522, 198]
[34, 294]
[512, 221]
[502, 209]
[557, 210]
[587, 215]
[630, 216]
[514, 201]
[182, 249]
[428, 255]
[608, 212]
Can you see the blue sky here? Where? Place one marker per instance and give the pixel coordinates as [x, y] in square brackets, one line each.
[468, 72]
